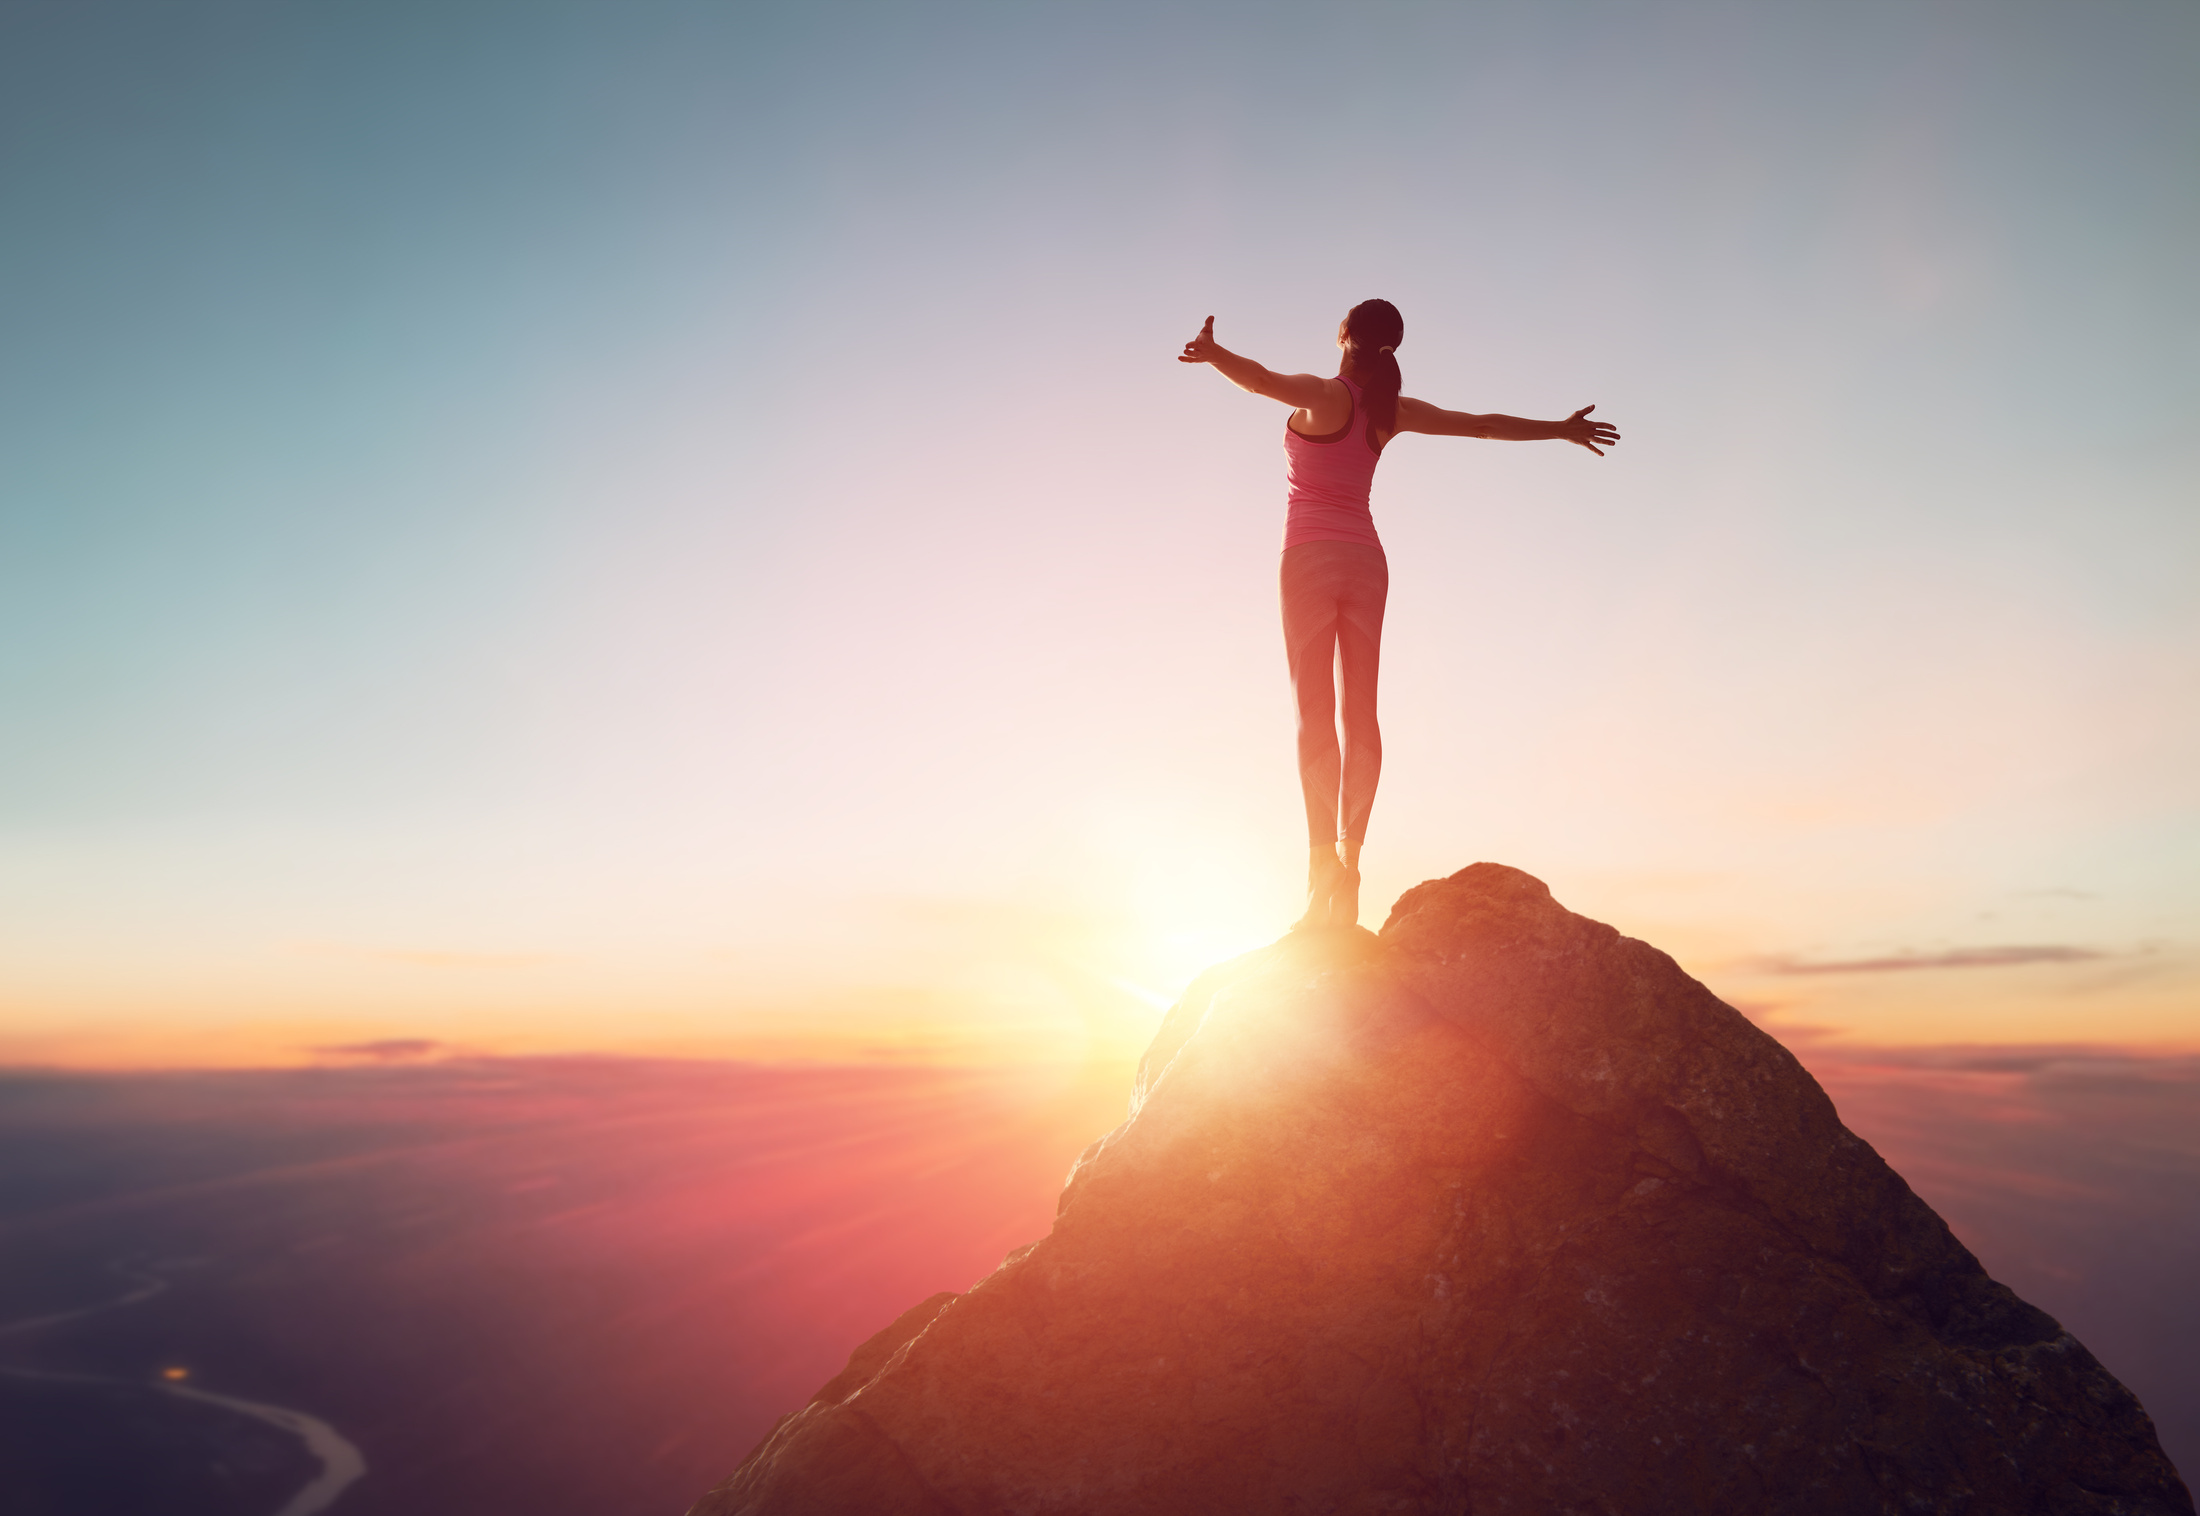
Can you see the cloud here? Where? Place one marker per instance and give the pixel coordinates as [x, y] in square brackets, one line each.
[432, 958]
[387, 1050]
[2096, 1061]
[1954, 958]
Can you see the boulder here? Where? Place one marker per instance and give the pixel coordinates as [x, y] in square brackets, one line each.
[1500, 1212]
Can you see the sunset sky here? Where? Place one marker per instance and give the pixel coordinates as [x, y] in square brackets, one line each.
[677, 528]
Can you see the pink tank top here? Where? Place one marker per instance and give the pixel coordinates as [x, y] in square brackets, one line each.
[1329, 479]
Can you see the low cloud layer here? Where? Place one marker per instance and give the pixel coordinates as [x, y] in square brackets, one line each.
[387, 1050]
[1954, 958]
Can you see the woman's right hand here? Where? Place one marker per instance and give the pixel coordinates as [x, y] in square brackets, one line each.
[1202, 348]
[1582, 432]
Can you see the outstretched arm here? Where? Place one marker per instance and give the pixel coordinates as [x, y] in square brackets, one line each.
[1306, 391]
[1420, 416]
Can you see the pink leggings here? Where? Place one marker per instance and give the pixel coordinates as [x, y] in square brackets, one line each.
[1333, 595]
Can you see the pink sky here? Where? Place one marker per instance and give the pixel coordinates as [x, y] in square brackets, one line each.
[689, 538]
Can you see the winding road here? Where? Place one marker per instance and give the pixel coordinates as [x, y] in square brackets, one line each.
[342, 1464]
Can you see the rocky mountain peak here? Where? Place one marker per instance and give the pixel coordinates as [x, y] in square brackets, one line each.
[1497, 1212]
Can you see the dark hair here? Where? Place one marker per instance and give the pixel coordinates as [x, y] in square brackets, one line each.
[1374, 328]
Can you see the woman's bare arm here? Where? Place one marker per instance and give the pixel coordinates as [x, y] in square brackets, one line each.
[1420, 416]
[1309, 392]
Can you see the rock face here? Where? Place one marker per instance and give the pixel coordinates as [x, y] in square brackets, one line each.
[1498, 1213]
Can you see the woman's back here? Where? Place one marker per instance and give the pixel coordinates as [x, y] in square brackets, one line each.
[1328, 479]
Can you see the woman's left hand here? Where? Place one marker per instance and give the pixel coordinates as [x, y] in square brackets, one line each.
[1202, 348]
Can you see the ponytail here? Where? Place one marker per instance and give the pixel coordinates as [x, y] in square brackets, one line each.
[1375, 329]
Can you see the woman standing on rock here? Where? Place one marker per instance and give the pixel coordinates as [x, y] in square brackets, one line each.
[1335, 577]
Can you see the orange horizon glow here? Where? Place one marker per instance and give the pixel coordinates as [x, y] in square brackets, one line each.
[987, 988]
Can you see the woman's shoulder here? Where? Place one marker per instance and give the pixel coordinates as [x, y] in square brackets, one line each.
[1339, 403]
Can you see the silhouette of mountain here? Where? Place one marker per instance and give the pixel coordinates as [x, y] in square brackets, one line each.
[1498, 1212]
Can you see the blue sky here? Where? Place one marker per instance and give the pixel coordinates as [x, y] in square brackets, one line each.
[688, 509]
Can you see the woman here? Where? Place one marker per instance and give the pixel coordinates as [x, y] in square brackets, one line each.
[1335, 578]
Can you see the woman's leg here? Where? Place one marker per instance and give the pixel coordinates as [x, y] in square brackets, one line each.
[1310, 645]
[1333, 599]
[1360, 604]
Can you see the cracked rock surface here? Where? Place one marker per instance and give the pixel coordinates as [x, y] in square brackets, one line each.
[1500, 1212]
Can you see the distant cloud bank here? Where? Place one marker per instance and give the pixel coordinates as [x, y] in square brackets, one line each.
[1955, 958]
[387, 1050]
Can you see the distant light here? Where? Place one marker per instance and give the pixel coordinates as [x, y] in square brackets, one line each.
[1153, 998]
[175, 1373]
